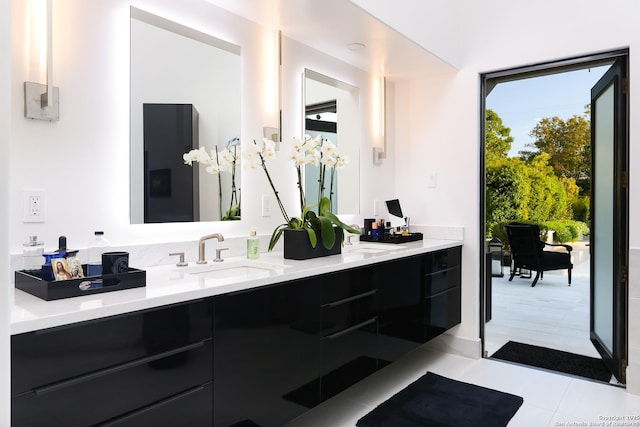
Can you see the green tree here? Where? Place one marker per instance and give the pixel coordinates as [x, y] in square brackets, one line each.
[568, 143]
[498, 137]
[525, 191]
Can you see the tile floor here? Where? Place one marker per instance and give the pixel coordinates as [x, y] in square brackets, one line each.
[549, 399]
[551, 314]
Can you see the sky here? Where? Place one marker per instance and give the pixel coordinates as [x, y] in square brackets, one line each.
[522, 103]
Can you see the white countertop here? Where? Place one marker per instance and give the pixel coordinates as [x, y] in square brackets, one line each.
[168, 284]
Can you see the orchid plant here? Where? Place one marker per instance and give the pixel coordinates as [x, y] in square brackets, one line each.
[316, 219]
[225, 160]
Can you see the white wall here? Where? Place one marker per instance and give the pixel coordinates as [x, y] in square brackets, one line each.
[5, 127]
[83, 160]
[444, 112]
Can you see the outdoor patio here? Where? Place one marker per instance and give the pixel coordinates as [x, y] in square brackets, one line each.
[551, 314]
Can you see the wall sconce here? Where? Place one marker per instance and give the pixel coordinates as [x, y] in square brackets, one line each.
[380, 153]
[42, 101]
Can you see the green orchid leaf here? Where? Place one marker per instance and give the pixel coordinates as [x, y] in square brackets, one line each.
[325, 206]
[327, 233]
[275, 236]
[313, 239]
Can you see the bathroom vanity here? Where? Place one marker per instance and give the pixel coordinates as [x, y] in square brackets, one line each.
[258, 342]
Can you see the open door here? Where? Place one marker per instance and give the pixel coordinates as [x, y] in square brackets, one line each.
[609, 218]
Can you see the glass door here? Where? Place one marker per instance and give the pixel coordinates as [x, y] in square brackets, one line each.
[609, 224]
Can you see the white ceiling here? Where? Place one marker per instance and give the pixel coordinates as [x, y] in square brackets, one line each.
[330, 26]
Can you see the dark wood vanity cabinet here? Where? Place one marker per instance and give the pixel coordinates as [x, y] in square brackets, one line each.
[143, 368]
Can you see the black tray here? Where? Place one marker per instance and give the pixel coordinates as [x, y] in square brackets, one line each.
[396, 238]
[31, 281]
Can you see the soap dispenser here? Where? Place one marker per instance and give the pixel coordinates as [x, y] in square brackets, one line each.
[253, 245]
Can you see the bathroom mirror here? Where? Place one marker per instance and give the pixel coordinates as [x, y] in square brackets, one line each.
[332, 110]
[185, 94]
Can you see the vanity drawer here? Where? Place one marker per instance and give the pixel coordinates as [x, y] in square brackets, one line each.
[442, 280]
[341, 315]
[191, 408]
[344, 284]
[442, 312]
[51, 355]
[442, 260]
[107, 394]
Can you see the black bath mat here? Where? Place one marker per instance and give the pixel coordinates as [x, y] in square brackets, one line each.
[317, 391]
[554, 360]
[434, 400]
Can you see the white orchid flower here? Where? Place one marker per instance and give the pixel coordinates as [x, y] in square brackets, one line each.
[312, 160]
[213, 169]
[329, 161]
[341, 162]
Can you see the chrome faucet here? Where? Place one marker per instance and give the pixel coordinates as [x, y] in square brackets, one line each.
[351, 235]
[203, 239]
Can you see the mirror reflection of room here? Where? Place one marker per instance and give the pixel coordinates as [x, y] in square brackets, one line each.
[332, 113]
[185, 95]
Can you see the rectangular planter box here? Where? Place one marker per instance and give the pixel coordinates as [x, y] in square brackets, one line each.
[298, 247]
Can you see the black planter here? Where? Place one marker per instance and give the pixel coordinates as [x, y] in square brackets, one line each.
[297, 245]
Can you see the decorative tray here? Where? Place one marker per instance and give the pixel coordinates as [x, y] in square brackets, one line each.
[396, 238]
[31, 281]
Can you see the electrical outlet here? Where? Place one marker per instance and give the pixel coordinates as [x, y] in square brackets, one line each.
[34, 205]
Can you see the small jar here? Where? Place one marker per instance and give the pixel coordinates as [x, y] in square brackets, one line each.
[32, 254]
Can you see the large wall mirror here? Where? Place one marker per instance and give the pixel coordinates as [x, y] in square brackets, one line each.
[332, 111]
[185, 94]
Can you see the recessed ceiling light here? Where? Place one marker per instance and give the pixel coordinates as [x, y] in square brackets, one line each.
[356, 46]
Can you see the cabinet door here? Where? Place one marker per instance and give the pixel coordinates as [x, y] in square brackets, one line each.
[265, 345]
[400, 305]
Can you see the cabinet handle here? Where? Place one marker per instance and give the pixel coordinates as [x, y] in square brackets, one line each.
[443, 270]
[128, 365]
[349, 299]
[153, 406]
[351, 329]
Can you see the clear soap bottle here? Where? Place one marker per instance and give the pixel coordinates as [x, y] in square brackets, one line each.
[253, 245]
[95, 249]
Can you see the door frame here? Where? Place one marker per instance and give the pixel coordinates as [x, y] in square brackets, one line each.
[488, 81]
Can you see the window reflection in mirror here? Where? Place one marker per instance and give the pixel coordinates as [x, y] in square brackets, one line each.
[332, 111]
[185, 94]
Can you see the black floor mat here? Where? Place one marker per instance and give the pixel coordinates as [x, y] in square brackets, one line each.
[434, 400]
[554, 360]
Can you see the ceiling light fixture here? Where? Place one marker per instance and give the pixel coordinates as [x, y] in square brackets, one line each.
[356, 46]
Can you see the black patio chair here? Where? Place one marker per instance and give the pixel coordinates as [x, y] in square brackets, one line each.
[527, 251]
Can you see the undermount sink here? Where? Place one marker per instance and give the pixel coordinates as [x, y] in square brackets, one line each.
[372, 248]
[240, 270]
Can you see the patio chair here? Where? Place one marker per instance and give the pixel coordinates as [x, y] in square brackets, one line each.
[527, 251]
